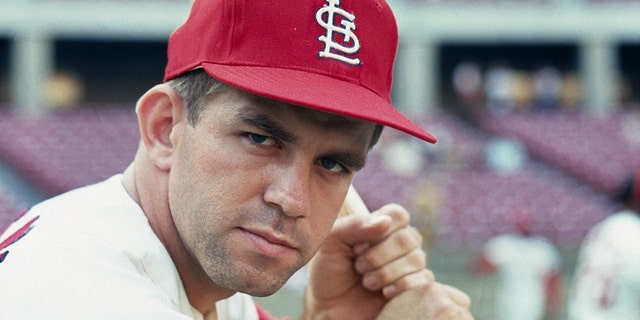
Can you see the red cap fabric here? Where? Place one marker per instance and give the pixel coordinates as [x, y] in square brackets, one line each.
[330, 55]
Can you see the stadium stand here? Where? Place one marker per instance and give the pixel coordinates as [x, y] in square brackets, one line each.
[69, 148]
[479, 204]
[601, 151]
[474, 201]
[9, 208]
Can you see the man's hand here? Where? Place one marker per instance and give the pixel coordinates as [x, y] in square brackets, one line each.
[373, 267]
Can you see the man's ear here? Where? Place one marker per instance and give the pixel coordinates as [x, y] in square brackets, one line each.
[160, 110]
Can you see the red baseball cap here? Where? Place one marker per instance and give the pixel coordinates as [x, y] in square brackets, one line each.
[334, 56]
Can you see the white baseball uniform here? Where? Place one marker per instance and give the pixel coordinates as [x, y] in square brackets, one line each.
[524, 265]
[91, 254]
[606, 282]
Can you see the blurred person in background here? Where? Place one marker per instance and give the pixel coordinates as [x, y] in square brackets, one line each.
[427, 199]
[246, 155]
[499, 88]
[571, 91]
[64, 90]
[466, 80]
[547, 83]
[606, 283]
[529, 271]
[522, 91]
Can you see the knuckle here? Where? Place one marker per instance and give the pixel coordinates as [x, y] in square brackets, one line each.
[429, 276]
[452, 312]
[418, 235]
[406, 273]
[449, 307]
[415, 280]
[397, 212]
[419, 258]
[367, 262]
[408, 239]
[438, 303]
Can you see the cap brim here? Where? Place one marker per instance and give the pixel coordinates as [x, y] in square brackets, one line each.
[318, 92]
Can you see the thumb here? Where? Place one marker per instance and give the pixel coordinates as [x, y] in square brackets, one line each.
[360, 228]
[355, 219]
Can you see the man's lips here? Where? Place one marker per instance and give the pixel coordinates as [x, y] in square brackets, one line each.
[268, 243]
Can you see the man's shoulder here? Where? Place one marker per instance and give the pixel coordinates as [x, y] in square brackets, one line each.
[93, 248]
[71, 219]
[91, 197]
[101, 211]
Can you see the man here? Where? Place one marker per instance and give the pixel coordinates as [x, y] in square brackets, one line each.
[247, 152]
[606, 282]
[528, 268]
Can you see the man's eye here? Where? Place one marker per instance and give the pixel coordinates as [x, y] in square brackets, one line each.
[331, 165]
[261, 140]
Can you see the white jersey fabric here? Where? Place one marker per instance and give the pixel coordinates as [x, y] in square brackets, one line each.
[606, 282]
[92, 254]
[523, 265]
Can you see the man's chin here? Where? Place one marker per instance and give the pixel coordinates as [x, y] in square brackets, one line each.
[261, 284]
[263, 289]
[255, 278]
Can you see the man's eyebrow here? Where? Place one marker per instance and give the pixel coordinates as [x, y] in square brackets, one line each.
[266, 124]
[353, 162]
[262, 121]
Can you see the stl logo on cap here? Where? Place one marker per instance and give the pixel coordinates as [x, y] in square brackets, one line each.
[325, 17]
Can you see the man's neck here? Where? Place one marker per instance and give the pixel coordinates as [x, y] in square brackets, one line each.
[201, 291]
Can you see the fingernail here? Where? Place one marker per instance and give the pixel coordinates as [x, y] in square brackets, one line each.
[373, 220]
[389, 291]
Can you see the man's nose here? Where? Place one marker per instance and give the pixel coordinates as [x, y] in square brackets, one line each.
[290, 189]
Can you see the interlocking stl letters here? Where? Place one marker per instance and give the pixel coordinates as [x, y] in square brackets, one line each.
[326, 17]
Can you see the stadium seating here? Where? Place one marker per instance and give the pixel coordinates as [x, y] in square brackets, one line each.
[67, 149]
[602, 151]
[475, 202]
[9, 209]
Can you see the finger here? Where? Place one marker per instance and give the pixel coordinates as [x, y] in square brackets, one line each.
[427, 301]
[398, 244]
[455, 313]
[447, 302]
[396, 217]
[389, 273]
[399, 215]
[354, 206]
[407, 282]
[361, 229]
[458, 296]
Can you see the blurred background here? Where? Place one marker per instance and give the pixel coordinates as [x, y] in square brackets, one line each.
[535, 103]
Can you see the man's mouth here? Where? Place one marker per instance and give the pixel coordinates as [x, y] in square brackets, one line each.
[268, 243]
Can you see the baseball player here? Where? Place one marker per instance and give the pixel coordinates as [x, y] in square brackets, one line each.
[606, 282]
[247, 151]
[528, 268]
